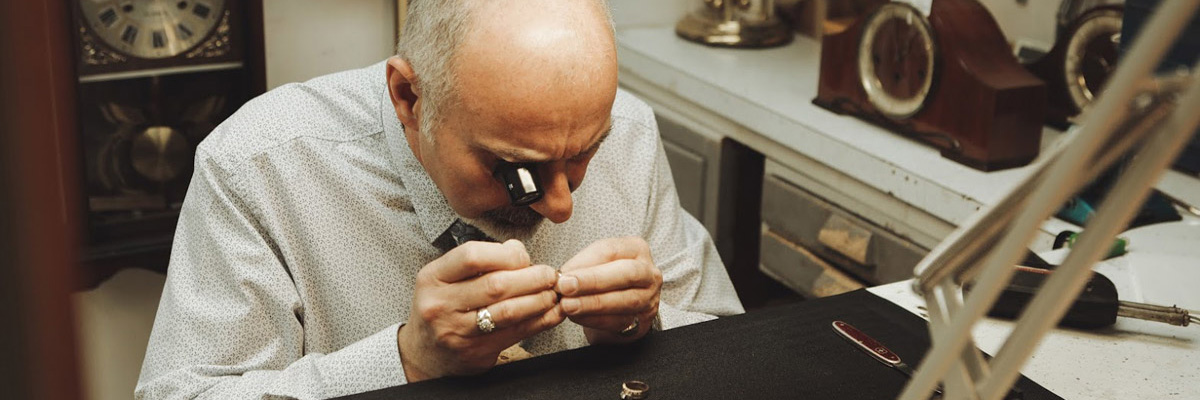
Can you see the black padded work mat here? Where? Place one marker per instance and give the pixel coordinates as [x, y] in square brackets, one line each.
[788, 352]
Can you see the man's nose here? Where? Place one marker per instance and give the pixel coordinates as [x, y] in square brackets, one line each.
[555, 204]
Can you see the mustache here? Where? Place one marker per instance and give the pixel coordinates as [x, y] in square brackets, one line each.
[514, 216]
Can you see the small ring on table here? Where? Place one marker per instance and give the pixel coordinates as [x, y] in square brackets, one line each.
[634, 390]
[483, 321]
[632, 329]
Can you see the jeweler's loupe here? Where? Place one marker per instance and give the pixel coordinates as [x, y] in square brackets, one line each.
[521, 181]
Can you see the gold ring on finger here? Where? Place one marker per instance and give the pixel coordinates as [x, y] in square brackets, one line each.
[483, 321]
[632, 329]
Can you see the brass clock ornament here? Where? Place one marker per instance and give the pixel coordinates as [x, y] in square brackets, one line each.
[896, 60]
[735, 23]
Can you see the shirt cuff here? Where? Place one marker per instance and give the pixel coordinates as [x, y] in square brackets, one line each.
[670, 317]
[369, 364]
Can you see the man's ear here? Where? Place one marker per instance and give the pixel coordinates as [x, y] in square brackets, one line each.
[403, 92]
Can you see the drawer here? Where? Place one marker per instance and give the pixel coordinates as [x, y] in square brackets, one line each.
[801, 270]
[848, 242]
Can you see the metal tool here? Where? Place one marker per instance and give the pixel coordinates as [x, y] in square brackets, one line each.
[1096, 306]
[877, 350]
[1170, 315]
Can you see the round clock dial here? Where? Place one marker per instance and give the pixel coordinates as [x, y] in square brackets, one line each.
[896, 60]
[152, 28]
[1091, 55]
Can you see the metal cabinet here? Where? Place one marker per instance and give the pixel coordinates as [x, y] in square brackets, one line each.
[695, 159]
[820, 248]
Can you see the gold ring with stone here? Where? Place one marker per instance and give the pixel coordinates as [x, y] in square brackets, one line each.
[632, 329]
[634, 390]
[483, 321]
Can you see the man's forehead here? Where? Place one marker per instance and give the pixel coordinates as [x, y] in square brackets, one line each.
[543, 145]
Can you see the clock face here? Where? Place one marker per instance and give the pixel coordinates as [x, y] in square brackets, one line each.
[1091, 55]
[896, 60]
[152, 29]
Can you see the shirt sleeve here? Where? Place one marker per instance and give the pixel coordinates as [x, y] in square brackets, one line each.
[696, 287]
[230, 321]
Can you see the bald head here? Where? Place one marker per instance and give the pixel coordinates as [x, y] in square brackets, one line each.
[538, 44]
[544, 60]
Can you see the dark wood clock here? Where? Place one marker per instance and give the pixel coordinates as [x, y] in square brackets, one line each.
[896, 60]
[947, 79]
[1091, 55]
[154, 78]
[1077, 67]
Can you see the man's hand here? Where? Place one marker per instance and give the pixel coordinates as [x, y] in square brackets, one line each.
[607, 286]
[441, 336]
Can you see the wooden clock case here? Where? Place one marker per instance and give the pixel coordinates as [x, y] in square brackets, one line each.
[1060, 108]
[984, 109]
[130, 217]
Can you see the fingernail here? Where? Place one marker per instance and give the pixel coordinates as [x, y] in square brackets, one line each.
[570, 306]
[567, 284]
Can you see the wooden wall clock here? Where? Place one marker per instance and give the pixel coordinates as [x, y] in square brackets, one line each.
[947, 79]
[154, 78]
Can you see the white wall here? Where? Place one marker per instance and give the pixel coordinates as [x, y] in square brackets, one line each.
[309, 38]
[634, 13]
[1031, 23]
[112, 324]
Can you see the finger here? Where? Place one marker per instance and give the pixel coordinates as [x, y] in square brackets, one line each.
[608, 323]
[614, 275]
[493, 287]
[512, 312]
[502, 338]
[474, 258]
[533, 326]
[629, 301]
[605, 250]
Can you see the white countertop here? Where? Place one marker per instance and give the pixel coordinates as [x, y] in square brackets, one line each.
[770, 92]
[1133, 359]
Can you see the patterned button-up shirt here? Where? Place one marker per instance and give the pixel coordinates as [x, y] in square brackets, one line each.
[306, 222]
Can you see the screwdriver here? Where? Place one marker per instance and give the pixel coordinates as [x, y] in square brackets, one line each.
[1096, 307]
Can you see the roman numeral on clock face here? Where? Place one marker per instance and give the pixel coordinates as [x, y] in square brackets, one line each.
[130, 34]
[201, 11]
[108, 17]
[159, 39]
[184, 32]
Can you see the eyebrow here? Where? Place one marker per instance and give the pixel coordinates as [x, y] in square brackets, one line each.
[521, 156]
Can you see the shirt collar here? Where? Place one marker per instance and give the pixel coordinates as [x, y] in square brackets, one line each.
[433, 211]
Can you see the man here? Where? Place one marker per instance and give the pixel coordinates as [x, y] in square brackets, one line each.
[325, 247]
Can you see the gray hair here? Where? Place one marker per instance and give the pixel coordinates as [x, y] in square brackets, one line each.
[429, 41]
